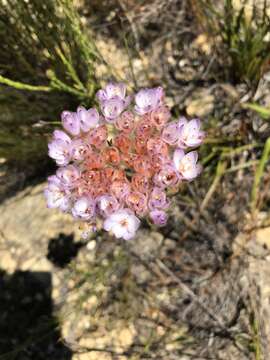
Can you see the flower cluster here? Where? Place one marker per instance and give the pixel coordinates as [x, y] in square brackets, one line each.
[117, 164]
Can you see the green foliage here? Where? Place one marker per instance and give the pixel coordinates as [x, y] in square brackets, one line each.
[43, 43]
[47, 63]
[244, 37]
[259, 175]
[262, 111]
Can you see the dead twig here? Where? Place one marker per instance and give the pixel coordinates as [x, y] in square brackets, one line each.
[162, 268]
[219, 173]
[188, 291]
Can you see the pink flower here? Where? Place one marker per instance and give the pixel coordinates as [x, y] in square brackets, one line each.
[140, 183]
[142, 165]
[84, 208]
[98, 136]
[186, 164]
[171, 133]
[60, 151]
[112, 108]
[56, 195]
[80, 149]
[123, 143]
[112, 173]
[94, 161]
[160, 116]
[190, 134]
[148, 99]
[137, 202]
[112, 90]
[144, 127]
[158, 199]
[166, 177]
[68, 175]
[89, 119]
[159, 217]
[111, 155]
[120, 189]
[159, 161]
[107, 204]
[113, 100]
[157, 146]
[125, 122]
[61, 135]
[71, 122]
[123, 224]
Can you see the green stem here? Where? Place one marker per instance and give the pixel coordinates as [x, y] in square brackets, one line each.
[21, 86]
[220, 171]
[71, 71]
[259, 174]
[242, 166]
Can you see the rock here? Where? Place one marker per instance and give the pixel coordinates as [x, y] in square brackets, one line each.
[259, 294]
[7, 262]
[26, 226]
[203, 43]
[201, 104]
[125, 337]
[120, 338]
[230, 90]
[258, 272]
[263, 237]
[147, 244]
[248, 7]
[140, 273]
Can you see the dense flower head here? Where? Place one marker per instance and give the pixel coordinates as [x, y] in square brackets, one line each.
[118, 163]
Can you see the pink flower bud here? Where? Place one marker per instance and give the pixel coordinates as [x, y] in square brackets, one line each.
[142, 165]
[141, 145]
[111, 155]
[94, 161]
[92, 178]
[140, 183]
[166, 177]
[171, 133]
[112, 90]
[71, 122]
[137, 202]
[80, 149]
[157, 199]
[160, 116]
[98, 136]
[159, 217]
[123, 143]
[68, 175]
[120, 189]
[125, 122]
[148, 99]
[112, 108]
[89, 119]
[144, 128]
[157, 146]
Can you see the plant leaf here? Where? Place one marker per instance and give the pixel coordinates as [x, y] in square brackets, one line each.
[263, 111]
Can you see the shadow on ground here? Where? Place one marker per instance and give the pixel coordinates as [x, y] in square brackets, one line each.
[62, 249]
[28, 328]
